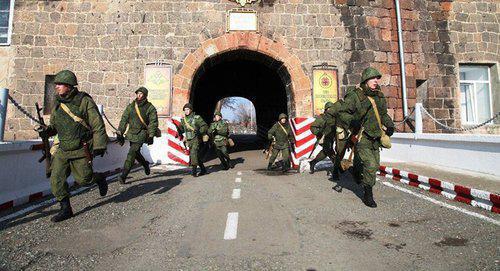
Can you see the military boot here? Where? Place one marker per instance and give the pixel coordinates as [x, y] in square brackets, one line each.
[334, 177]
[194, 171]
[312, 164]
[101, 183]
[368, 197]
[122, 179]
[269, 166]
[203, 170]
[147, 170]
[65, 213]
[285, 167]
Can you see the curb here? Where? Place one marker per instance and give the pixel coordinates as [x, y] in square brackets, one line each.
[474, 197]
[39, 195]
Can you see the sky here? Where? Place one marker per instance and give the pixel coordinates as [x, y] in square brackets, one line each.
[229, 114]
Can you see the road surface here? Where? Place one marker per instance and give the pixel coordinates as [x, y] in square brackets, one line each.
[172, 221]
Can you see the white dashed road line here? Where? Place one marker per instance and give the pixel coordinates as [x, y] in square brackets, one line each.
[231, 226]
[480, 216]
[236, 193]
[238, 180]
[239, 173]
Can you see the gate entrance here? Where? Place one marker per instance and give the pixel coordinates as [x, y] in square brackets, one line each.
[244, 73]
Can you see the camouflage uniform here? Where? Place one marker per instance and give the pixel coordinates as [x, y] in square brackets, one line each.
[195, 128]
[79, 141]
[219, 132]
[138, 133]
[323, 128]
[282, 136]
[367, 149]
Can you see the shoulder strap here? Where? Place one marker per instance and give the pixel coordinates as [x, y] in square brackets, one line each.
[284, 130]
[188, 125]
[374, 105]
[75, 118]
[139, 114]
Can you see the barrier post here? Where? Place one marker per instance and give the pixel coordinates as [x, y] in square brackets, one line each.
[4, 98]
[418, 118]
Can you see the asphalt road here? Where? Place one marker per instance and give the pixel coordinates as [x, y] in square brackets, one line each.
[172, 221]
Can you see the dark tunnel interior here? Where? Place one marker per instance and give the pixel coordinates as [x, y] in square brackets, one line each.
[248, 74]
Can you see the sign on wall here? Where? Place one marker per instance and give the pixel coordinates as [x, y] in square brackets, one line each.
[325, 87]
[158, 81]
[242, 20]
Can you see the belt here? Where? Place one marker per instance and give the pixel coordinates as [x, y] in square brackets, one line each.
[367, 136]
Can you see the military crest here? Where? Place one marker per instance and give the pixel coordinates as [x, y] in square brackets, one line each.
[244, 2]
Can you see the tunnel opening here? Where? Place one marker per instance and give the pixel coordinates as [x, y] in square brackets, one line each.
[252, 75]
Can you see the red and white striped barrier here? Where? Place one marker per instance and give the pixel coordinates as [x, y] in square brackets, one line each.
[304, 139]
[39, 195]
[471, 196]
[176, 152]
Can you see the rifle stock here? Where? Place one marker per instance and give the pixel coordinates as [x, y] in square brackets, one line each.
[45, 142]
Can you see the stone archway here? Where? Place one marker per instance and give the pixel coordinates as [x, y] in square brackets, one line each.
[300, 83]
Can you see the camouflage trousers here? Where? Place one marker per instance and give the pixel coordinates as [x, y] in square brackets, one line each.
[367, 160]
[285, 153]
[134, 153]
[63, 167]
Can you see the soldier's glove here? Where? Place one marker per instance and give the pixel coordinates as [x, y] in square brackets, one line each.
[99, 152]
[389, 131]
[355, 125]
[44, 131]
[120, 139]
[150, 140]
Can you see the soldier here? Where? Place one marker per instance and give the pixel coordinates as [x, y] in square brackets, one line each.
[341, 130]
[196, 130]
[142, 120]
[219, 132]
[323, 129]
[82, 136]
[282, 136]
[358, 102]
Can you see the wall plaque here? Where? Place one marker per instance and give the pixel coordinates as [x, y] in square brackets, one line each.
[158, 81]
[325, 87]
[242, 20]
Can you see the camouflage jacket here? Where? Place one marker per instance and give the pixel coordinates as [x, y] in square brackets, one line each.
[359, 107]
[137, 131]
[71, 134]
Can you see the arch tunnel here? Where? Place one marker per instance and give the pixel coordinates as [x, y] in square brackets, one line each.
[259, 78]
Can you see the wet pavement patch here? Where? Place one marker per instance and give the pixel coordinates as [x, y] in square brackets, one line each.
[355, 229]
[394, 246]
[452, 242]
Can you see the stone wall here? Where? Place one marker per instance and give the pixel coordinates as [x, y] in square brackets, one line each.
[108, 42]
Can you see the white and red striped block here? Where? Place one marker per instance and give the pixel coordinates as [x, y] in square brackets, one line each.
[304, 139]
[478, 198]
[39, 195]
[176, 152]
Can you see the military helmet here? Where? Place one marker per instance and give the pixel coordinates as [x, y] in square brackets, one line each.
[218, 113]
[188, 105]
[328, 105]
[282, 116]
[143, 90]
[370, 73]
[66, 77]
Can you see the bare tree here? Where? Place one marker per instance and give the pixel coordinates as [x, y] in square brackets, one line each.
[245, 114]
[229, 103]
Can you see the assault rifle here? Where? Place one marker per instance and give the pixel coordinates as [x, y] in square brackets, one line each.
[45, 142]
[267, 151]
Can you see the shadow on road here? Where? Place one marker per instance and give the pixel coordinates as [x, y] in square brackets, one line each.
[346, 181]
[135, 191]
